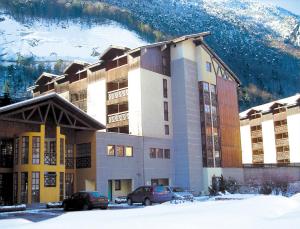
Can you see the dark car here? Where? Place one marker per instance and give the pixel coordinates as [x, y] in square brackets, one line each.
[150, 194]
[85, 201]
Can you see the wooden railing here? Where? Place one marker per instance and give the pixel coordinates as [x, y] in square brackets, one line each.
[283, 155]
[256, 133]
[258, 158]
[281, 129]
[282, 142]
[256, 146]
[117, 73]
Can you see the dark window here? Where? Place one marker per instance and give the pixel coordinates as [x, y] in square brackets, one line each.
[165, 88]
[25, 150]
[50, 179]
[208, 66]
[110, 150]
[117, 185]
[70, 157]
[167, 153]
[166, 111]
[61, 186]
[24, 187]
[36, 146]
[16, 157]
[69, 184]
[152, 153]
[160, 153]
[35, 187]
[83, 157]
[50, 152]
[167, 130]
[62, 151]
[15, 188]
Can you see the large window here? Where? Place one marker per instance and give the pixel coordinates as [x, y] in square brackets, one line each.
[16, 156]
[208, 66]
[152, 153]
[15, 188]
[24, 187]
[128, 151]
[160, 153]
[69, 181]
[50, 179]
[120, 151]
[36, 146]
[165, 88]
[25, 150]
[167, 154]
[166, 111]
[35, 187]
[111, 150]
[70, 157]
[50, 152]
[62, 151]
[83, 157]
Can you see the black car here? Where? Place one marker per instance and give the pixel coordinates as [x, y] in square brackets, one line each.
[150, 194]
[85, 201]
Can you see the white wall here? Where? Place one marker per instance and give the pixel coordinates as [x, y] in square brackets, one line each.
[269, 141]
[293, 122]
[96, 100]
[134, 102]
[246, 144]
[185, 49]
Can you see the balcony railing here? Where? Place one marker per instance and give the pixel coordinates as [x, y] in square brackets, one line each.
[283, 155]
[256, 146]
[282, 142]
[257, 133]
[281, 129]
[258, 158]
[123, 92]
[118, 117]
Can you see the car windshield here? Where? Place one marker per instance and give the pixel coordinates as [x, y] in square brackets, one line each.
[178, 189]
[95, 194]
[159, 189]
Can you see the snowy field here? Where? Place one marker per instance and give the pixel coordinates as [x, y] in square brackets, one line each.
[252, 212]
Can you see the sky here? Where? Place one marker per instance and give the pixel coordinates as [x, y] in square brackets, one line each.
[291, 5]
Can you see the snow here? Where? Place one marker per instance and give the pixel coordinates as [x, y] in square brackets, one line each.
[65, 39]
[20, 206]
[253, 212]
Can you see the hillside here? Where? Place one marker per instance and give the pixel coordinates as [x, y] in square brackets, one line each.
[261, 43]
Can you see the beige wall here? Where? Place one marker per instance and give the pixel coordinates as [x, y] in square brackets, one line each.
[246, 144]
[185, 49]
[293, 122]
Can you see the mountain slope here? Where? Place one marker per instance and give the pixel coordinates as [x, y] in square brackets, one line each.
[261, 43]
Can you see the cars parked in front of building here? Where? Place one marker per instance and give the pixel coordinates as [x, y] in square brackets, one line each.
[85, 201]
[121, 199]
[150, 194]
[181, 194]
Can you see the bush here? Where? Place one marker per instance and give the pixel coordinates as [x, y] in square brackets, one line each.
[220, 184]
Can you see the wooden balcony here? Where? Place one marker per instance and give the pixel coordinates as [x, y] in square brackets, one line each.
[117, 96]
[256, 146]
[282, 142]
[118, 119]
[256, 134]
[283, 156]
[280, 116]
[116, 74]
[258, 159]
[281, 129]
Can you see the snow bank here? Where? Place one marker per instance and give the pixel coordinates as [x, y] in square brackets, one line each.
[256, 212]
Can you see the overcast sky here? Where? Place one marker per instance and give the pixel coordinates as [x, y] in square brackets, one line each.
[291, 5]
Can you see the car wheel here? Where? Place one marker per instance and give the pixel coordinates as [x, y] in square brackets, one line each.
[147, 202]
[85, 207]
[104, 207]
[65, 206]
[129, 201]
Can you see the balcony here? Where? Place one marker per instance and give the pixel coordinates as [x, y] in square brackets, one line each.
[256, 133]
[117, 96]
[280, 116]
[118, 119]
[258, 159]
[118, 73]
[281, 129]
[282, 142]
[256, 146]
[283, 156]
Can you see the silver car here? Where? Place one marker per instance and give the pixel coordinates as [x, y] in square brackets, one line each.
[181, 194]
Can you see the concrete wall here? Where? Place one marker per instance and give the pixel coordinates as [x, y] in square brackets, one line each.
[293, 122]
[246, 144]
[269, 141]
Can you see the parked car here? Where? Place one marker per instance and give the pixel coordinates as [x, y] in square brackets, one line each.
[181, 194]
[121, 200]
[150, 194]
[85, 201]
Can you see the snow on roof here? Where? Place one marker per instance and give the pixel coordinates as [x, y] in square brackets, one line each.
[47, 74]
[78, 62]
[265, 108]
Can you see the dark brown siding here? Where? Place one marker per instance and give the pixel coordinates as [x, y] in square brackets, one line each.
[153, 59]
[229, 123]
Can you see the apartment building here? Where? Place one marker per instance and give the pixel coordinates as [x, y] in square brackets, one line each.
[170, 112]
[270, 134]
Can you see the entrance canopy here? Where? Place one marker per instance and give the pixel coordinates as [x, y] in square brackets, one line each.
[50, 108]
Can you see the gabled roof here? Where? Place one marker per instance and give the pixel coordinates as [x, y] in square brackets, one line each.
[80, 65]
[50, 76]
[40, 109]
[113, 51]
[267, 107]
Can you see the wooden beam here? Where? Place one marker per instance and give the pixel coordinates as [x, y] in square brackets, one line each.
[31, 113]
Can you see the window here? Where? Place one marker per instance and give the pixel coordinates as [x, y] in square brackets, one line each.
[15, 188]
[117, 185]
[120, 151]
[165, 88]
[24, 187]
[152, 153]
[83, 159]
[282, 136]
[61, 186]
[50, 152]
[25, 150]
[255, 128]
[167, 153]
[214, 110]
[50, 179]
[160, 153]
[166, 111]
[36, 146]
[212, 88]
[111, 150]
[35, 187]
[62, 151]
[208, 66]
[207, 108]
[69, 180]
[167, 130]
[16, 157]
[205, 87]
[70, 157]
[128, 151]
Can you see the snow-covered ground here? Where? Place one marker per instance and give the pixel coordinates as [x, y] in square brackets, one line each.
[66, 40]
[251, 212]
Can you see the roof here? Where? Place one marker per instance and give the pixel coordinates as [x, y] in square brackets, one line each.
[76, 62]
[113, 51]
[52, 98]
[48, 75]
[267, 107]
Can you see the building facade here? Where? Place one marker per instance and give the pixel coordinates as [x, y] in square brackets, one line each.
[170, 112]
[270, 134]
